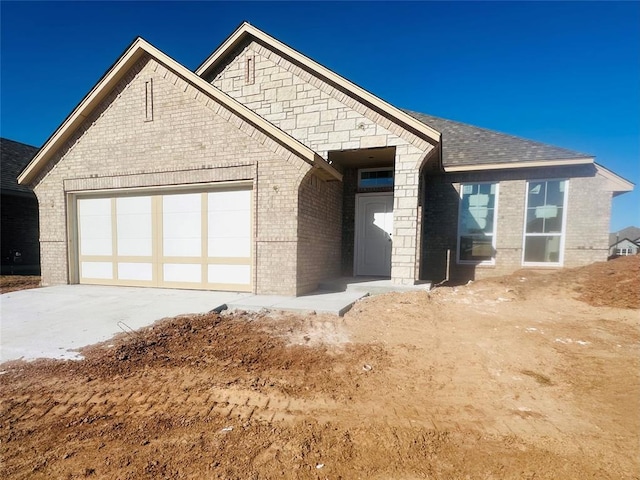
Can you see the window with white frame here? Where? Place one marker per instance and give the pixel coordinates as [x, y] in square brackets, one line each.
[477, 223]
[624, 251]
[544, 224]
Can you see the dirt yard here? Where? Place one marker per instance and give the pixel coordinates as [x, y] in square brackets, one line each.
[12, 283]
[524, 377]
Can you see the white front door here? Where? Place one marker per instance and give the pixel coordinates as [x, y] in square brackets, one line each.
[374, 227]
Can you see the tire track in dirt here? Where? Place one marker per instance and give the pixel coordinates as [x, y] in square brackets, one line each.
[90, 404]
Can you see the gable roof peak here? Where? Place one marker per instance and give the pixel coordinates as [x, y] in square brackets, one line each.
[138, 48]
[337, 81]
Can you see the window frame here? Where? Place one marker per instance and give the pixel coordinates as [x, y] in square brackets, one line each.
[562, 234]
[494, 233]
[376, 169]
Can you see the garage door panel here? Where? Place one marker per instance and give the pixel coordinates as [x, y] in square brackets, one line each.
[134, 226]
[230, 274]
[229, 223]
[182, 272]
[186, 240]
[182, 225]
[229, 200]
[95, 226]
[97, 270]
[232, 247]
[135, 271]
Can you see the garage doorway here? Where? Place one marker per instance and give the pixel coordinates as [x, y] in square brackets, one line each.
[183, 239]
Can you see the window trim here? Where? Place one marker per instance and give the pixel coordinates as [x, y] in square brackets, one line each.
[494, 235]
[376, 169]
[563, 233]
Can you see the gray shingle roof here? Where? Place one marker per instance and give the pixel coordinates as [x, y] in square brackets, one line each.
[14, 156]
[630, 233]
[466, 145]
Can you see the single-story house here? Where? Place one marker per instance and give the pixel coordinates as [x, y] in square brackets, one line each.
[19, 250]
[264, 171]
[625, 242]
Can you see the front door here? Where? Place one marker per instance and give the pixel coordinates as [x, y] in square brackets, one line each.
[374, 227]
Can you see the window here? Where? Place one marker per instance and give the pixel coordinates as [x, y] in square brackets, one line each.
[375, 177]
[544, 224]
[624, 251]
[477, 223]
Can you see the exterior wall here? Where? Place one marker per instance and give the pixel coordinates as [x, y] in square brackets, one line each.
[326, 119]
[625, 244]
[587, 221]
[19, 231]
[191, 140]
[319, 232]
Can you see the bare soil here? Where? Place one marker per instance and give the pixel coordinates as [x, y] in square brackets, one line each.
[12, 283]
[526, 376]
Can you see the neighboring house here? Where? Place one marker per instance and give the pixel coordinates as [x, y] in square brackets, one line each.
[624, 242]
[20, 250]
[264, 171]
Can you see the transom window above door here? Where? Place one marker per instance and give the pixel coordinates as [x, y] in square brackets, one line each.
[375, 177]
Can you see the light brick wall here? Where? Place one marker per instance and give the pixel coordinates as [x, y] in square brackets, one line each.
[587, 223]
[319, 232]
[191, 140]
[327, 119]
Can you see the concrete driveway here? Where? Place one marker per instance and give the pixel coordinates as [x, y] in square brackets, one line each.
[51, 322]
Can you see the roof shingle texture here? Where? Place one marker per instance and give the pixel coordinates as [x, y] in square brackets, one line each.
[630, 233]
[466, 145]
[14, 156]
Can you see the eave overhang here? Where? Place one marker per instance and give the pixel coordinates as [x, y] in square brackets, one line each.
[618, 184]
[132, 54]
[512, 165]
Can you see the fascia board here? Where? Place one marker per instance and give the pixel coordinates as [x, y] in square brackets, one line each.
[515, 165]
[77, 116]
[368, 98]
[619, 184]
[131, 55]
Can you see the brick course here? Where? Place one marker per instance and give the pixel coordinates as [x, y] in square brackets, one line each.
[587, 222]
[327, 119]
[191, 140]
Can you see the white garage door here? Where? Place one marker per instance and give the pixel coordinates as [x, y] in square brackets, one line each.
[198, 240]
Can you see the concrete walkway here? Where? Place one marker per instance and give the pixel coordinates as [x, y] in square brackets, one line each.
[52, 322]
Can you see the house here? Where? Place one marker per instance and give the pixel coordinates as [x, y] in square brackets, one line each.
[624, 242]
[19, 250]
[264, 171]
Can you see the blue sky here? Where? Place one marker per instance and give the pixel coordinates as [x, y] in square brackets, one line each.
[567, 74]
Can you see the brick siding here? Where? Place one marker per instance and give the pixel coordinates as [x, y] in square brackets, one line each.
[191, 140]
[327, 119]
[587, 222]
[319, 232]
